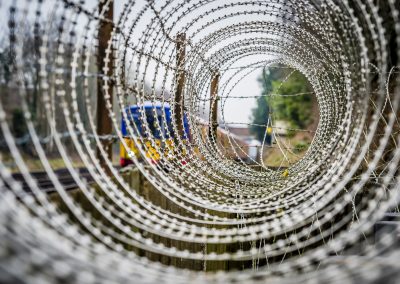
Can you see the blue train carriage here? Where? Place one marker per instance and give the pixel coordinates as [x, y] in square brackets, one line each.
[164, 148]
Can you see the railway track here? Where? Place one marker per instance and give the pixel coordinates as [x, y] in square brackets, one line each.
[65, 178]
[46, 185]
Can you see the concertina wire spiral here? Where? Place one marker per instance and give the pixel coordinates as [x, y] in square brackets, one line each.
[316, 225]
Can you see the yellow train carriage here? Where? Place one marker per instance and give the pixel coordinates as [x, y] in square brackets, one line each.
[159, 128]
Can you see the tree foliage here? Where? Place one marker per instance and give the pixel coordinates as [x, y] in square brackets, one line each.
[292, 108]
[291, 100]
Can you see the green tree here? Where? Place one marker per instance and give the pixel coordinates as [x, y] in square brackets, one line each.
[18, 123]
[291, 100]
[260, 117]
[261, 112]
[286, 95]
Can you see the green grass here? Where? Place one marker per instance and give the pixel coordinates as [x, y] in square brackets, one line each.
[298, 146]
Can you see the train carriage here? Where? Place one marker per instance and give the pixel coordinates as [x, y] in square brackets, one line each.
[159, 122]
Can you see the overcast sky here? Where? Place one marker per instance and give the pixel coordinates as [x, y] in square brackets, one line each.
[235, 110]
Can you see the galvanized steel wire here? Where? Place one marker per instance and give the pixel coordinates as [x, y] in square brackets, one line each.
[301, 225]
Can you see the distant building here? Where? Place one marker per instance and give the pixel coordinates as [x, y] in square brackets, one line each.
[241, 131]
[280, 128]
[253, 144]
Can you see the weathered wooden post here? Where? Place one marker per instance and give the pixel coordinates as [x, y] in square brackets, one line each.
[104, 124]
[214, 106]
[180, 83]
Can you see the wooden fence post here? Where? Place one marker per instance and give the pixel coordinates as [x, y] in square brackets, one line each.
[104, 123]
